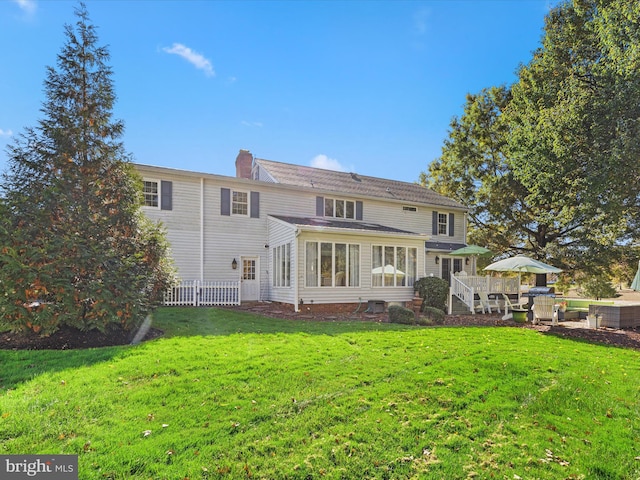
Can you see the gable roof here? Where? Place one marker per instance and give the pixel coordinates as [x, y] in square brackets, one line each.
[353, 183]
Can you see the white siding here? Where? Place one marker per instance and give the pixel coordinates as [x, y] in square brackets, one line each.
[182, 223]
[204, 242]
[281, 233]
[229, 237]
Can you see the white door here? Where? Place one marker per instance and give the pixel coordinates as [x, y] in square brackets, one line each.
[250, 279]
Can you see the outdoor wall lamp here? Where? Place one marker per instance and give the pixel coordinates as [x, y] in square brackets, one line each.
[437, 260]
[466, 261]
[234, 264]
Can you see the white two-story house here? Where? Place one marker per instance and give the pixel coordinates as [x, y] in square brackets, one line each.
[300, 235]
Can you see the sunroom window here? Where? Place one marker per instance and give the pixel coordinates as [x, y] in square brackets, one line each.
[332, 264]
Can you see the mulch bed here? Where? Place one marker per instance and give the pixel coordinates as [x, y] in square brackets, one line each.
[69, 338]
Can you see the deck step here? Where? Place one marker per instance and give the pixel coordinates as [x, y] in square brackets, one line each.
[459, 307]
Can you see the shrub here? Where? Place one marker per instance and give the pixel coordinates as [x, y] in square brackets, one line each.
[398, 314]
[598, 287]
[434, 316]
[434, 292]
[563, 284]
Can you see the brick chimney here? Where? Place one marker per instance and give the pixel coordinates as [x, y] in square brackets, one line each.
[244, 163]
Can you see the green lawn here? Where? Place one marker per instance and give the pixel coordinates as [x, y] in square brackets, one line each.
[233, 395]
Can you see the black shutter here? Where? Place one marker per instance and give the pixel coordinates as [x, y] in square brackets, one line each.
[255, 205]
[358, 210]
[319, 206]
[451, 224]
[225, 201]
[166, 195]
[434, 221]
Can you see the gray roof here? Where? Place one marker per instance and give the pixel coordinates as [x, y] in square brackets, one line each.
[341, 224]
[355, 184]
[446, 246]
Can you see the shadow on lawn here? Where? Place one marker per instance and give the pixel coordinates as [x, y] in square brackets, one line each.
[19, 366]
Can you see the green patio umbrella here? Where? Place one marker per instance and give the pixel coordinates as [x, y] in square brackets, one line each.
[635, 285]
[472, 251]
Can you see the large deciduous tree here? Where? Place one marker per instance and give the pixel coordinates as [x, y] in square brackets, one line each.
[75, 248]
[567, 141]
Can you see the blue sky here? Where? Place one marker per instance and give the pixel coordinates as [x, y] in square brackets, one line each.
[364, 86]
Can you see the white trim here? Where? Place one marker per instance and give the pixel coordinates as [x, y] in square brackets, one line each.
[344, 208]
[158, 194]
[248, 194]
[446, 224]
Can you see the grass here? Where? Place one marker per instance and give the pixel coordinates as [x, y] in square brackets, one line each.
[233, 395]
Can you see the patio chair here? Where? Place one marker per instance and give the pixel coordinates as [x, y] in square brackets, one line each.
[509, 305]
[486, 304]
[545, 308]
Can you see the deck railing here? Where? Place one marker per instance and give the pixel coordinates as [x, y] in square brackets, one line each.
[463, 291]
[466, 286]
[198, 293]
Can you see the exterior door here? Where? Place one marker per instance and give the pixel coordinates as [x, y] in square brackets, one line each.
[250, 279]
[450, 266]
[446, 269]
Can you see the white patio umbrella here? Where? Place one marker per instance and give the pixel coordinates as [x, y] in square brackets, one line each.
[387, 270]
[522, 264]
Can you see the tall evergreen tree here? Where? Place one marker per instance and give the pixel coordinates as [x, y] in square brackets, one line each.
[76, 249]
[565, 139]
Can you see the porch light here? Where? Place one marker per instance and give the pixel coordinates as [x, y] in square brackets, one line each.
[437, 260]
[466, 261]
[234, 264]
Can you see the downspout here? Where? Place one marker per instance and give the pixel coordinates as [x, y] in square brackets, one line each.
[295, 268]
[202, 229]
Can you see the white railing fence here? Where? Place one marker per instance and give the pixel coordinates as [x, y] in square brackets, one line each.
[196, 293]
[466, 286]
[462, 291]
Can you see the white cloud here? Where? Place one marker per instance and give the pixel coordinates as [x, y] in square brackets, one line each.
[322, 161]
[421, 21]
[27, 6]
[251, 124]
[194, 58]
[5, 133]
